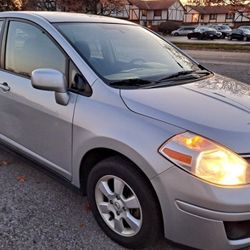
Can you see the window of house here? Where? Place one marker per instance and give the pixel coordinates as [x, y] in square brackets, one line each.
[213, 16]
[195, 18]
[202, 17]
[157, 13]
[144, 13]
[29, 48]
[230, 16]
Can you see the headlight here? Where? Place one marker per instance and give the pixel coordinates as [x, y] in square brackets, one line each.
[206, 159]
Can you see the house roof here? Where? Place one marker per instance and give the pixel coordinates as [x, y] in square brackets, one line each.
[153, 4]
[212, 9]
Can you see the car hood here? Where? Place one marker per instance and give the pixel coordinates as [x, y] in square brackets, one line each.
[217, 108]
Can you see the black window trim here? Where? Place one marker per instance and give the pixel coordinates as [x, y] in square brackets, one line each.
[1, 40]
[4, 36]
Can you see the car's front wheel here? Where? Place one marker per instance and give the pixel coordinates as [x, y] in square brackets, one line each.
[123, 203]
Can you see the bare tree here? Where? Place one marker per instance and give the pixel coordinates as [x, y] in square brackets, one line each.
[111, 6]
[53, 5]
[8, 5]
[43, 5]
[104, 7]
[71, 5]
[234, 3]
[100, 7]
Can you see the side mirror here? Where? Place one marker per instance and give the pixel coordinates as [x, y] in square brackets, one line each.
[51, 80]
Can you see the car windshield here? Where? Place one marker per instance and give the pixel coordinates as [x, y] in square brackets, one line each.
[128, 53]
[224, 27]
[245, 27]
[246, 31]
[204, 29]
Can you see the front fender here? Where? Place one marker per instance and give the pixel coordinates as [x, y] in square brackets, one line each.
[103, 121]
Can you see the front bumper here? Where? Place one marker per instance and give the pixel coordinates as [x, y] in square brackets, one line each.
[195, 212]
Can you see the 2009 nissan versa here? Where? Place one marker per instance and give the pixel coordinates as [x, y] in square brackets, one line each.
[159, 144]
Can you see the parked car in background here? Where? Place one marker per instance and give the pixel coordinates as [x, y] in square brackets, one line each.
[203, 32]
[244, 27]
[183, 31]
[240, 34]
[224, 29]
[159, 143]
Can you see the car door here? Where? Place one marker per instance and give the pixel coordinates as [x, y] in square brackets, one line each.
[181, 31]
[238, 34]
[195, 33]
[30, 119]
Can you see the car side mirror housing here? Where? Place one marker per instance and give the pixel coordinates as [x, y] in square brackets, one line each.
[51, 80]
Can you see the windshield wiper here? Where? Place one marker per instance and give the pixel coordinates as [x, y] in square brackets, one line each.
[134, 82]
[185, 75]
[179, 76]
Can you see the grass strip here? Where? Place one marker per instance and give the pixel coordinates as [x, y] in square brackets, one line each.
[207, 46]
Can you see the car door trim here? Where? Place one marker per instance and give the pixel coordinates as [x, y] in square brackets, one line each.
[35, 157]
[1, 41]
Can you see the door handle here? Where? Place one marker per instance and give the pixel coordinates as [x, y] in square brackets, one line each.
[4, 87]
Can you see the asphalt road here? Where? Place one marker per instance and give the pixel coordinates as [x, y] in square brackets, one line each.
[40, 211]
[232, 64]
[184, 39]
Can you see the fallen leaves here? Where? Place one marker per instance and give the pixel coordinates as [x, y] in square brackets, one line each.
[87, 207]
[5, 163]
[21, 178]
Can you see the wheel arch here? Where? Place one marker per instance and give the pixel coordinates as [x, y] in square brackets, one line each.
[95, 155]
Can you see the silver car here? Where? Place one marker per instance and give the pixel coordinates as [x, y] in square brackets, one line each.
[160, 145]
[182, 31]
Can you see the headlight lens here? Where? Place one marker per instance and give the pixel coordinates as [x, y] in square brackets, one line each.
[206, 159]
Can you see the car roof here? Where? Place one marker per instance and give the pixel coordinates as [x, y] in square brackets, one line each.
[54, 17]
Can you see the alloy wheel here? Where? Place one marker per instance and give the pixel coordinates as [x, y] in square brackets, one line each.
[118, 205]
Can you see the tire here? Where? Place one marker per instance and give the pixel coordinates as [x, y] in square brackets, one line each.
[230, 38]
[147, 212]
[176, 34]
[244, 38]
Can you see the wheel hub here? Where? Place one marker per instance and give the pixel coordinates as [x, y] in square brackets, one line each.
[118, 205]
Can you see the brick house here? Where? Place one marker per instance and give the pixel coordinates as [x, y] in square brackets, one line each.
[242, 16]
[209, 15]
[152, 13]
